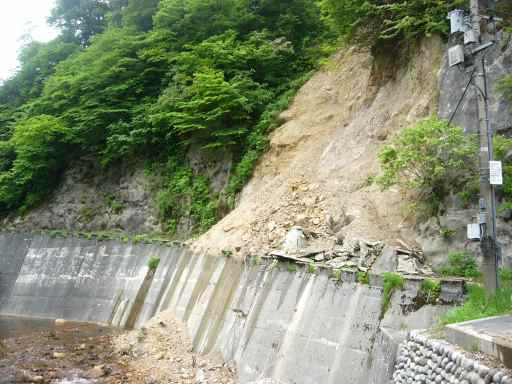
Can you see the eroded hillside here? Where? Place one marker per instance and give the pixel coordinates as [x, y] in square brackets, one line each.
[318, 173]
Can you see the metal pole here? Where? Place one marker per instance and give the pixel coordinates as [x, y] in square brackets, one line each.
[487, 192]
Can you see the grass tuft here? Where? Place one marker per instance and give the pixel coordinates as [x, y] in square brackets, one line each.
[392, 282]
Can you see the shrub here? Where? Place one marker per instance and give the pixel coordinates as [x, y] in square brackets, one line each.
[460, 264]
[153, 262]
[227, 253]
[291, 267]
[429, 159]
[506, 277]
[392, 282]
[312, 268]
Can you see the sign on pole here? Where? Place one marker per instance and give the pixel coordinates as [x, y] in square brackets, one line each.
[495, 173]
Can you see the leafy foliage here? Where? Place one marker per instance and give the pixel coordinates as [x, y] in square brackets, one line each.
[460, 264]
[32, 160]
[362, 277]
[185, 195]
[79, 20]
[389, 20]
[431, 159]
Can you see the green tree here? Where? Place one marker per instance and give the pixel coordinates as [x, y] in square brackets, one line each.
[100, 86]
[139, 14]
[394, 19]
[37, 64]
[32, 160]
[212, 111]
[79, 20]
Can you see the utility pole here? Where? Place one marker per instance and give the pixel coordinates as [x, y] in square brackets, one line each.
[487, 219]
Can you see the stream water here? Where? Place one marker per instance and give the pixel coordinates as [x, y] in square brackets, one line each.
[15, 326]
[36, 350]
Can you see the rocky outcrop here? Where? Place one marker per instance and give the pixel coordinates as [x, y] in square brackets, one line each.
[120, 197]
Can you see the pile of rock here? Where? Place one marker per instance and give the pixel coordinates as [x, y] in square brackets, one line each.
[427, 361]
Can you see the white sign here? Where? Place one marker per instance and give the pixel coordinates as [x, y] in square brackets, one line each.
[495, 173]
[474, 232]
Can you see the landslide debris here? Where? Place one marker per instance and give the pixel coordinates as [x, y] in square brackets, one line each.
[161, 352]
[318, 174]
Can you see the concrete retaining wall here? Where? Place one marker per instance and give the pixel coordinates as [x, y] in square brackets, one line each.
[72, 278]
[422, 360]
[290, 326]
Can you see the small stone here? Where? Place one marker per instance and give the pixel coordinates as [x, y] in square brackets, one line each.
[497, 377]
[61, 322]
[59, 355]
[98, 371]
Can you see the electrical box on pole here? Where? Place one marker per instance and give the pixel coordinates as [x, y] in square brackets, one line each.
[457, 21]
[456, 55]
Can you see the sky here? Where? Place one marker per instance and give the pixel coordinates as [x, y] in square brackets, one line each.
[17, 18]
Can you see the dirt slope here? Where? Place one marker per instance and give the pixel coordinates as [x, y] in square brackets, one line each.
[317, 173]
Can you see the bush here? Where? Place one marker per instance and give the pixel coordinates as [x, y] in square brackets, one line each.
[429, 159]
[505, 277]
[392, 282]
[460, 264]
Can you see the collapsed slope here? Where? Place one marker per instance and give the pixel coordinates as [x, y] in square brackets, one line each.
[318, 172]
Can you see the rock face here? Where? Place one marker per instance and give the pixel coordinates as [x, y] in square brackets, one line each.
[91, 198]
[121, 197]
[453, 81]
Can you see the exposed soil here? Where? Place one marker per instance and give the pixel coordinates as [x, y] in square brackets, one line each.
[318, 173]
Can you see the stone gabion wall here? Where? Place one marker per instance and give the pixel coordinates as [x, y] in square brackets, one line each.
[426, 361]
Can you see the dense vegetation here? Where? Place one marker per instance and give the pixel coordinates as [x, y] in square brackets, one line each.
[148, 79]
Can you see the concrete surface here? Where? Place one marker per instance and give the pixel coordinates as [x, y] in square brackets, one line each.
[492, 336]
[289, 326]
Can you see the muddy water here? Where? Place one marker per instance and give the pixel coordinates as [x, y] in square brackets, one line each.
[35, 350]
